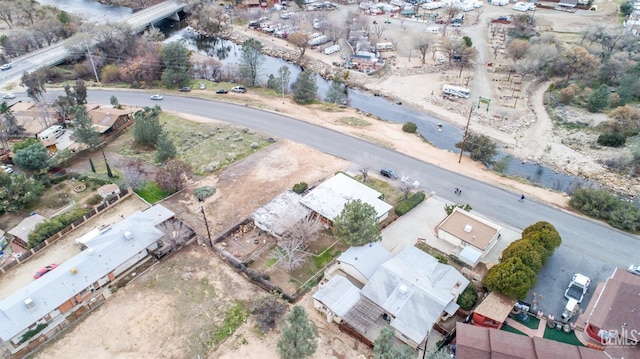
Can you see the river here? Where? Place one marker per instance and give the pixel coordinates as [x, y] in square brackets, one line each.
[438, 132]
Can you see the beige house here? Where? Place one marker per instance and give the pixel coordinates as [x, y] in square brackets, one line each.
[21, 232]
[107, 190]
[473, 236]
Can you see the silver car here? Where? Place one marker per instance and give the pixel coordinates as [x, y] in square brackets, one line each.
[635, 269]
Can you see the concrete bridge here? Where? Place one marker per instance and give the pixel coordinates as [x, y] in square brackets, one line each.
[57, 53]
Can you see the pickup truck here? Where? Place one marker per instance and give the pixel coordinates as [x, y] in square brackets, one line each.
[577, 287]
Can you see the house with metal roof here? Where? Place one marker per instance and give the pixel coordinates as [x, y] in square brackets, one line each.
[359, 263]
[110, 120]
[279, 215]
[472, 235]
[80, 283]
[409, 293]
[329, 197]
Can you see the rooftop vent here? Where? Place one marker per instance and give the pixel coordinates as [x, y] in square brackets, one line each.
[468, 228]
[402, 289]
[29, 303]
[128, 235]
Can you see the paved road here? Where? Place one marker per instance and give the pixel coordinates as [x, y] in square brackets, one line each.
[588, 246]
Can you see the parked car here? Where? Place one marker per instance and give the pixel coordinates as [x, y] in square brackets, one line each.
[221, 91]
[386, 172]
[156, 97]
[7, 169]
[203, 86]
[635, 269]
[9, 96]
[5, 67]
[185, 89]
[44, 270]
[239, 89]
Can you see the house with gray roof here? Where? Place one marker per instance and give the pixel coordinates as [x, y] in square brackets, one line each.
[359, 263]
[410, 293]
[79, 283]
[26, 226]
[280, 214]
[329, 197]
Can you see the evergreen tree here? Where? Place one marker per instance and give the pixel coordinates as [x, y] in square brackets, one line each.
[17, 191]
[34, 157]
[384, 347]
[250, 61]
[147, 128]
[114, 102]
[357, 224]
[175, 59]
[298, 339]
[337, 92]
[93, 168]
[306, 89]
[109, 174]
[80, 92]
[599, 99]
[83, 127]
[164, 148]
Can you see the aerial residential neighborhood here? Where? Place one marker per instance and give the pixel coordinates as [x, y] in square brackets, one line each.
[319, 179]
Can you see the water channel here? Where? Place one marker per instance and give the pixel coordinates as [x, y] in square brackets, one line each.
[438, 132]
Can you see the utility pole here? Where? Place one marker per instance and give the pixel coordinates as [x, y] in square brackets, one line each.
[464, 137]
[206, 223]
[95, 72]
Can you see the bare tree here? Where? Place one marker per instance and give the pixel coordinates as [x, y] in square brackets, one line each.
[294, 240]
[517, 49]
[365, 162]
[407, 183]
[133, 173]
[379, 29]
[290, 253]
[422, 42]
[300, 40]
[335, 31]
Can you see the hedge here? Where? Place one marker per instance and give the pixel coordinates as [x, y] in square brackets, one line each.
[406, 205]
[48, 228]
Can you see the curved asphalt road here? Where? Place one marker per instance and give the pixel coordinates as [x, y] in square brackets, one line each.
[588, 247]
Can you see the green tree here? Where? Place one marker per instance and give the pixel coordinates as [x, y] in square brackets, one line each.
[511, 277]
[16, 191]
[34, 157]
[27, 142]
[164, 148]
[384, 347]
[337, 92]
[83, 127]
[306, 88]
[93, 168]
[357, 224]
[147, 128]
[481, 147]
[251, 59]
[114, 102]
[626, 9]
[599, 99]
[468, 298]
[65, 104]
[285, 77]
[80, 92]
[545, 234]
[298, 339]
[467, 41]
[175, 60]
[533, 254]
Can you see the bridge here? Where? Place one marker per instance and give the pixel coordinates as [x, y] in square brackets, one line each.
[57, 53]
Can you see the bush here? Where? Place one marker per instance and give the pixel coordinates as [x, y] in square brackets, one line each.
[54, 225]
[612, 139]
[406, 205]
[203, 192]
[604, 205]
[299, 188]
[468, 298]
[410, 127]
[567, 94]
[93, 200]
[31, 333]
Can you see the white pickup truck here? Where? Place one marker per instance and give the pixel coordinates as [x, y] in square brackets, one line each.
[575, 293]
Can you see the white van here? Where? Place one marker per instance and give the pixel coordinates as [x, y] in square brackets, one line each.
[384, 46]
[51, 133]
[332, 49]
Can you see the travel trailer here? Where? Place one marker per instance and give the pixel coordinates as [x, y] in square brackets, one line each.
[456, 91]
[51, 133]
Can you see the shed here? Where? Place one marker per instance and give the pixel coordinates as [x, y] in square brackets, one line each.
[107, 190]
[493, 310]
[22, 230]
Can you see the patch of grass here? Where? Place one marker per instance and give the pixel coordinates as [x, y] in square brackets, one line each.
[509, 329]
[392, 194]
[354, 121]
[232, 320]
[152, 193]
[561, 336]
[270, 262]
[325, 257]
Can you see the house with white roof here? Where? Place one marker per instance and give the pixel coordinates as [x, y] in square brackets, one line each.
[277, 216]
[359, 263]
[80, 283]
[329, 197]
[410, 293]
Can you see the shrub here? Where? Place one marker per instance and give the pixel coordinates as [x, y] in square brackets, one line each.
[468, 298]
[410, 127]
[93, 200]
[604, 205]
[614, 100]
[612, 139]
[203, 192]
[567, 94]
[31, 333]
[48, 228]
[299, 188]
[406, 205]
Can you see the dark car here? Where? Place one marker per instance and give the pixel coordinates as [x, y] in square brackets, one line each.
[221, 91]
[44, 270]
[185, 89]
[386, 172]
